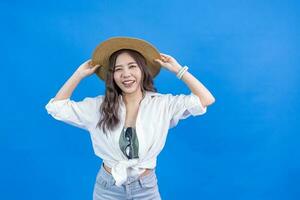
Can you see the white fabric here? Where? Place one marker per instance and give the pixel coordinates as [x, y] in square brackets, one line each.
[157, 113]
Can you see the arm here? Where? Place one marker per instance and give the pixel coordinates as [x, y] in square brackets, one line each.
[83, 71]
[197, 88]
[193, 83]
[67, 89]
[78, 113]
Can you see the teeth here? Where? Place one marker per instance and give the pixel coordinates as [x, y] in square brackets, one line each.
[128, 82]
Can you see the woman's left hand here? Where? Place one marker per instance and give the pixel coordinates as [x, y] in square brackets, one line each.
[168, 62]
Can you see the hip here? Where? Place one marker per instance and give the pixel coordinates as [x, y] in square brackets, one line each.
[143, 187]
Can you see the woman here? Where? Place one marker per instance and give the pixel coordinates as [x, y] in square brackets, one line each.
[129, 124]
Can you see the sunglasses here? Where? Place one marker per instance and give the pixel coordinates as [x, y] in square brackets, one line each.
[129, 148]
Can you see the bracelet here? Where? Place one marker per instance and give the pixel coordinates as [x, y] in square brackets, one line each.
[181, 72]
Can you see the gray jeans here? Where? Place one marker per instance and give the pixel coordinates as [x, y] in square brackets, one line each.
[142, 188]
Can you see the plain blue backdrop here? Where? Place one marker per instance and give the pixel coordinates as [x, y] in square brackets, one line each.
[246, 147]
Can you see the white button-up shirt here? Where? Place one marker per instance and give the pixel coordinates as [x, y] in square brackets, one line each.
[157, 113]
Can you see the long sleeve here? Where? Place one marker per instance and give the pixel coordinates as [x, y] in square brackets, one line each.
[75, 113]
[182, 106]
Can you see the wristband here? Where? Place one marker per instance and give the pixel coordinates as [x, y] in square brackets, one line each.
[181, 72]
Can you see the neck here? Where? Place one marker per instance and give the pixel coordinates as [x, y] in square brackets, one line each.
[133, 98]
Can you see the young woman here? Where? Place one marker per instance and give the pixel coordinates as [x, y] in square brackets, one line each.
[129, 124]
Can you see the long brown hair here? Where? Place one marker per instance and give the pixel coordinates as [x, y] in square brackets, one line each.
[109, 109]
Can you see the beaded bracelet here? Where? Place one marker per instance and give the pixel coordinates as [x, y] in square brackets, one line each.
[181, 72]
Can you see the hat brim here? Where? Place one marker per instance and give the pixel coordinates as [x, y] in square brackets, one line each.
[105, 49]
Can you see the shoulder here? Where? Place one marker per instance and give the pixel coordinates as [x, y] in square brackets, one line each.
[92, 101]
[157, 94]
[94, 98]
[162, 96]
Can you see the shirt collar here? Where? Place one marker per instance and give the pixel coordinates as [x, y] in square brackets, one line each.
[148, 94]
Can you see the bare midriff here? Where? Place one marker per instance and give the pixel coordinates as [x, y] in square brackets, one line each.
[143, 174]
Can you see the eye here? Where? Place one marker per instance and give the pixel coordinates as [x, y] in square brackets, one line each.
[132, 65]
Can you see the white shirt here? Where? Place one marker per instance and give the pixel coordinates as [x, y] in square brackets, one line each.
[157, 113]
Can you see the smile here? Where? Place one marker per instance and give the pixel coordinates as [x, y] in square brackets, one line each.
[128, 83]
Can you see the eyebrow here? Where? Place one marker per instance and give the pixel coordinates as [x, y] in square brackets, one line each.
[127, 64]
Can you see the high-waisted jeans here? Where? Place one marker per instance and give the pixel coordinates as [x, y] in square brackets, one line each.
[142, 188]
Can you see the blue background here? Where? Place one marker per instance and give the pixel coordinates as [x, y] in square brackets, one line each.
[245, 52]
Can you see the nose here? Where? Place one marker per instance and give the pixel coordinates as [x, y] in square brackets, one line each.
[126, 73]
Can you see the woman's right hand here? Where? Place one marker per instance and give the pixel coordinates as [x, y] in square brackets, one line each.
[86, 69]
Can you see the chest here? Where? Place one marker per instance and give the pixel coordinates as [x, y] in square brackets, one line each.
[148, 113]
[131, 115]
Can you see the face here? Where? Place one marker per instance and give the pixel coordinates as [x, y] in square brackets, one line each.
[127, 74]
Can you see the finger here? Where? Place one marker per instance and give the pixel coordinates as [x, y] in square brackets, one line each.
[163, 56]
[166, 55]
[96, 66]
[89, 63]
[158, 61]
[166, 58]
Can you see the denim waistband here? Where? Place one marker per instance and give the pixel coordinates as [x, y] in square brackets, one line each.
[110, 179]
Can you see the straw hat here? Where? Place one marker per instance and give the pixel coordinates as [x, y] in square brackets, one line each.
[105, 49]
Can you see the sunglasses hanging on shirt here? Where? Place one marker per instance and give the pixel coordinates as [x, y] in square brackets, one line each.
[131, 150]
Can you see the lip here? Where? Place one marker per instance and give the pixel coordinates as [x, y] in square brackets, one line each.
[127, 80]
